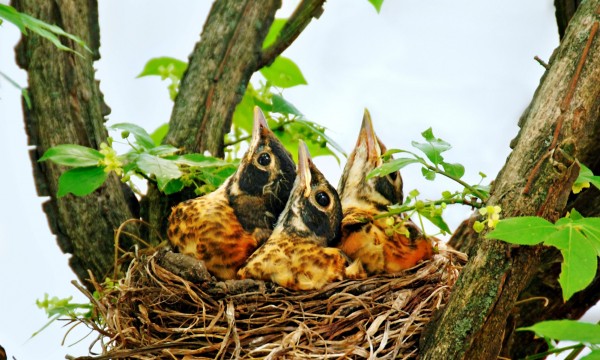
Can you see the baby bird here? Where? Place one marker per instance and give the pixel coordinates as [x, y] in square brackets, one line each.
[296, 255]
[364, 237]
[224, 227]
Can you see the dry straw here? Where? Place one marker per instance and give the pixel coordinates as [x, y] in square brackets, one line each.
[154, 314]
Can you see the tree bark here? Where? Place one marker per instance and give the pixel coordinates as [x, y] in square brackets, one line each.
[562, 124]
[68, 107]
[218, 72]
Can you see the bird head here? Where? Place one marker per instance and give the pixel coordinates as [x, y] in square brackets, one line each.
[264, 177]
[354, 188]
[314, 209]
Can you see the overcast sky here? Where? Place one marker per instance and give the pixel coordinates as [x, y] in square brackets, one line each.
[464, 68]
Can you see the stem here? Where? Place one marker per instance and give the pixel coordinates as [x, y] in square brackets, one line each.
[297, 22]
[401, 210]
[576, 351]
[553, 351]
[471, 189]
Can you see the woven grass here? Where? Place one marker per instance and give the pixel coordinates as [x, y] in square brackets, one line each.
[154, 313]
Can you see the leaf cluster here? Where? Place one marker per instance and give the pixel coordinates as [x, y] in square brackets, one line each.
[147, 159]
[432, 164]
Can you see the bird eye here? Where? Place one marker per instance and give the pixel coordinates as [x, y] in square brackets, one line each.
[393, 176]
[322, 198]
[264, 159]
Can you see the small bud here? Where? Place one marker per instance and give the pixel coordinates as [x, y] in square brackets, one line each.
[478, 226]
[389, 221]
[124, 134]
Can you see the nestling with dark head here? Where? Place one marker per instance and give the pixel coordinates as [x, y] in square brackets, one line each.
[224, 227]
[363, 237]
[297, 256]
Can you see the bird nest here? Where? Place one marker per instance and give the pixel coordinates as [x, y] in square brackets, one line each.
[180, 313]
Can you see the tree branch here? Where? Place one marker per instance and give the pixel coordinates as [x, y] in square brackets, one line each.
[497, 273]
[218, 72]
[300, 18]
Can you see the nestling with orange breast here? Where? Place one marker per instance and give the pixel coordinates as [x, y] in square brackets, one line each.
[297, 256]
[224, 228]
[364, 237]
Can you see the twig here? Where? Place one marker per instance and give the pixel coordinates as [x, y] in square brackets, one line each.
[567, 100]
[436, 202]
[305, 11]
[541, 62]
[467, 186]
[118, 236]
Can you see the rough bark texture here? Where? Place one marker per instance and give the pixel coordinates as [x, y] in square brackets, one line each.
[218, 72]
[561, 124]
[68, 107]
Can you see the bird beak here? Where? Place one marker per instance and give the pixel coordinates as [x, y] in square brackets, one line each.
[304, 164]
[367, 139]
[260, 129]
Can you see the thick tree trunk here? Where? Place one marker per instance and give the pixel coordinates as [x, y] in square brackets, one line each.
[562, 124]
[68, 107]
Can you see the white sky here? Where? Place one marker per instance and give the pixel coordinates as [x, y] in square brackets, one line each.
[464, 68]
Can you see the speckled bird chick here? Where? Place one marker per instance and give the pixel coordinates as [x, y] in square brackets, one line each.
[364, 237]
[224, 227]
[296, 255]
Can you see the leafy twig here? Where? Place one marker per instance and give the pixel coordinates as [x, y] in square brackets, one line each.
[404, 208]
[473, 191]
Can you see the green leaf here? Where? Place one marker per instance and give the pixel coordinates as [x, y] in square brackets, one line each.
[436, 220]
[428, 174]
[294, 131]
[283, 73]
[243, 116]
[526, 230]
[199, 160]
[579, 259]
[159, 134]
[282, 106]
[164, 170]
[376, 4]
[455, 170]
[141, 136]
[217, 175]
[570, 330]
[274, 31]
[316, 130]
[173, 186]
[575, 215]
[164, 67]
[11, 14]
[433, 148]
[81, 181]
[48, 31]
[586, 176]
[590, 228]
[72, 155]
[390, 167]
[163, 150]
